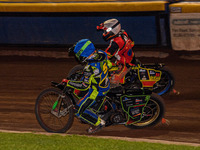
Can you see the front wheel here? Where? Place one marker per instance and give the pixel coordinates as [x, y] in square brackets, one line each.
[76, 73]
[153, 113]
[54, 111]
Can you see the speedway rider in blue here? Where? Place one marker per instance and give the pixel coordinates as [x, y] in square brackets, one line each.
[95, 81]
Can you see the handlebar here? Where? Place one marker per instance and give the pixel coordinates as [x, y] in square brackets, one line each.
[58, 85]
[71, 49]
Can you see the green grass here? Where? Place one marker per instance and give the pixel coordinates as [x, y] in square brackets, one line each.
[26, 141]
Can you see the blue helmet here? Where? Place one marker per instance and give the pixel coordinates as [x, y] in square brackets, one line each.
[83, 49]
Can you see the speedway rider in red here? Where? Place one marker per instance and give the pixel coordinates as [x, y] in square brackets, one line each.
[120, 47]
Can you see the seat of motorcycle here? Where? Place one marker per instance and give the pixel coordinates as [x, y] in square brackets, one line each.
[116, 90]
[132, 91]
[138, 91]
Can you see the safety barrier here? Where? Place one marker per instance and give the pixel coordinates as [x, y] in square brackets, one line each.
[63, 22]
[84, 7]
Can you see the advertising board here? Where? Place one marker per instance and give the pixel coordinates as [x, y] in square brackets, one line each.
[185, 31]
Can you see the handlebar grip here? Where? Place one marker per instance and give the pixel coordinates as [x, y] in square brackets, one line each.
[71, 49]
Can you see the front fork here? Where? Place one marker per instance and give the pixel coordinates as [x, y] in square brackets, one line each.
[56, 108]
[59, 100]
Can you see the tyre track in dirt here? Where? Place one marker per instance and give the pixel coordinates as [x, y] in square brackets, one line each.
[23, 78]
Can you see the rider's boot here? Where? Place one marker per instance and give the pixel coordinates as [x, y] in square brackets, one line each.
[97, 127]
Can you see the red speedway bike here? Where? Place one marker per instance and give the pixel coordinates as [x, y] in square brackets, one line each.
[156, 77]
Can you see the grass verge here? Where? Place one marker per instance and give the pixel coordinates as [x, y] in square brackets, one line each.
[26, 141]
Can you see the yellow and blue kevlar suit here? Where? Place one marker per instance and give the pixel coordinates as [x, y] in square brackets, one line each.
[96, 81]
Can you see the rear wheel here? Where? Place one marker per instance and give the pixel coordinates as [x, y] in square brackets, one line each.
[166, 83]
[153, 113]
[54, 111]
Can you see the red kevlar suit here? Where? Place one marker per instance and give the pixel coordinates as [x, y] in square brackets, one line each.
[121, 48]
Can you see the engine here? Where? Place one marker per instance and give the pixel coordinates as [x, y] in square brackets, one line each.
[117, 118]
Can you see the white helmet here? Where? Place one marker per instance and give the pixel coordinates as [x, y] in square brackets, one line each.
[110, 27]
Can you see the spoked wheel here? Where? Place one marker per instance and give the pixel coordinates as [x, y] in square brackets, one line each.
[54, 111]
[166, 83]
[153, 113]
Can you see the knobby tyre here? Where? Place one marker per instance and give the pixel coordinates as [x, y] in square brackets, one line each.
[166, 83]
[54, 111]
[153, 113]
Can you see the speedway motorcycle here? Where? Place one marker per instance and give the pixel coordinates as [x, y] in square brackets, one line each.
[155, 77]
[133, 108]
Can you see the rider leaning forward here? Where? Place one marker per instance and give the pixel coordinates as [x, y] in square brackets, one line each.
[120, 47]
[95, 81]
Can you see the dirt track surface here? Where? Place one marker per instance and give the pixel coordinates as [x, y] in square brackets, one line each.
[23, 78]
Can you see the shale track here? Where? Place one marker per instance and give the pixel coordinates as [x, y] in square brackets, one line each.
[23, 78]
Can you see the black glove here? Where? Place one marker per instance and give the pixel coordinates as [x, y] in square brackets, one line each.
[68, 90]
[71, 49]
[128, 66]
